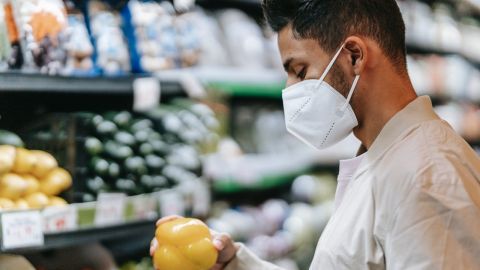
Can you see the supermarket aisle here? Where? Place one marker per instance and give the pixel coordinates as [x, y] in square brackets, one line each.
[116, 113]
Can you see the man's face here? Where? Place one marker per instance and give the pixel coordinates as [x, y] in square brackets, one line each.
[304, 59]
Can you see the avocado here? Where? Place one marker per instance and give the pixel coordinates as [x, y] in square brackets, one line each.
[154, 163]
[145, 149]
[126, 185]
[118, 151]
[93, 146]
[136, 165]
[141, 125]
[96, 185]
[124, 138]
[99, 166]
[122, 119]
[106, 128]
[114, 170]
[10, 138]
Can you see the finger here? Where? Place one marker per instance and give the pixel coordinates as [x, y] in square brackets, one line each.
[220, 240]
[167, 219]
[226, 247]
[153, 246]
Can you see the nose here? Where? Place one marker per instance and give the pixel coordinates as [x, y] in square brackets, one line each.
[290, 82]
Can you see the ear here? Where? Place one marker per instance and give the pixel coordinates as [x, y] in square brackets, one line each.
[357, 53]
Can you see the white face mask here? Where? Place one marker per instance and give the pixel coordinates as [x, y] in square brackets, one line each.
[316, 113]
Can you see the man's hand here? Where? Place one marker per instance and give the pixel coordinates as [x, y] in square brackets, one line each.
[222, 242]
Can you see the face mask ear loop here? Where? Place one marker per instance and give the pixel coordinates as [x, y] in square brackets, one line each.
[350, 94]
[330, 65]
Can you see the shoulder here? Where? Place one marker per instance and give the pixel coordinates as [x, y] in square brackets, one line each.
[431, 159]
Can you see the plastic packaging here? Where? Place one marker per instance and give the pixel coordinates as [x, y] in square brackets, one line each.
[41, 25]
[112, 55]
[11, 56]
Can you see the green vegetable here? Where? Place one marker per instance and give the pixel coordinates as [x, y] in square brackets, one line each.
[160, 147]
[93, 146]
[154, 163]
[126, 185]
[118, 151]
[114, 170]
[146, 149]
[99, 166]
[96, 120]
[136, 165]
[96, 185]
[10, 138]
[141, 125]
[141, 136]
[122, 119]
[106, 128]
[125, 138]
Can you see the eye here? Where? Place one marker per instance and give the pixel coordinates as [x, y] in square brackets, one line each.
[301, 75]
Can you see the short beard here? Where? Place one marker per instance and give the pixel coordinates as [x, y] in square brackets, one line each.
[340, 81]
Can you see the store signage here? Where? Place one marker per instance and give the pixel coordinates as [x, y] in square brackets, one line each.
[22, 229]
[58, 219]
[110, 209]
[171, 202]
[144, 207]
[146, 94]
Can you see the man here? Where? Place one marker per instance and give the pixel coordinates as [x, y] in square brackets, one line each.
[413, 199]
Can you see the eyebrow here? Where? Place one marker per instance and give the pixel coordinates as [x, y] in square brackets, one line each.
[286, 64]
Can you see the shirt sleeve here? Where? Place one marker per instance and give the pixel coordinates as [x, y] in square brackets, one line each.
[436, 227]
[246, 260]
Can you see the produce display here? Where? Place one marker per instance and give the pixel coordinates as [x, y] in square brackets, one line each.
[137, 154]
[110, 44]
[282, 230]
[29, 178]
[184, 244]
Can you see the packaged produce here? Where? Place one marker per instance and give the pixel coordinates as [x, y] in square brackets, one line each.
[11, 56]
[111, 48]
[42, 25]
[78, 44]
[184, 244]
[155, 36]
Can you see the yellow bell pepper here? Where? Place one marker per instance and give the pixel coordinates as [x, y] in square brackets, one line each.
[184, 244]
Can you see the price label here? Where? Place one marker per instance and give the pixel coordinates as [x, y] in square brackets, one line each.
[146, 94]
[144, 207]
[58, 219]
[201, 199]
[171, 202]
[110, 209]
[22, 229]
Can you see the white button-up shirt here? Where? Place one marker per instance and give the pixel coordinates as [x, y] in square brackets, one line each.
[413, 203]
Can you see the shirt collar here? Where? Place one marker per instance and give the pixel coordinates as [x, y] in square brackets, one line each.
[416, 112]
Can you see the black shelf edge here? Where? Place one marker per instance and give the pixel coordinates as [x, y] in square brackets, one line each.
[91, 235]
[37, 93]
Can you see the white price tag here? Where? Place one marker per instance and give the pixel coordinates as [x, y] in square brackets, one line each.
[22, 229]
[201, 199]
[58, 219]
[110, 209]
[146, 94]
[144, 207]
[171, 202]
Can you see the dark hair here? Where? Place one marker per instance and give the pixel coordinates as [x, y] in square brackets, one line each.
[332, 21]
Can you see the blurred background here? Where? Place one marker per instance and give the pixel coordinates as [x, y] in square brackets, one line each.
[116, 113]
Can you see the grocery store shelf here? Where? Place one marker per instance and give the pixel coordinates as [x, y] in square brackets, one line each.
[41, 93]
[89, 235]
[233, 81]
[251, 7]
[415, 49]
